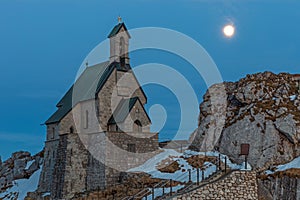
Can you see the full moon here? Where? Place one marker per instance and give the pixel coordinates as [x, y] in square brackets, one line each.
[228, 30]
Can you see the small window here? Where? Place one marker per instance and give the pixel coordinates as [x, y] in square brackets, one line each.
[113, 128]
[131, 148]
[52, 133]
[71, 129]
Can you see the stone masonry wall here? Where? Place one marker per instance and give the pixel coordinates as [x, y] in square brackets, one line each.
[57, 184]
[239, 185]
[50, 152]
[120, 156]
[137, 113]
[70, 169]
[113, 97]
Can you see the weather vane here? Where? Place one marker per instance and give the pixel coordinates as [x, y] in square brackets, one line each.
[119, 19]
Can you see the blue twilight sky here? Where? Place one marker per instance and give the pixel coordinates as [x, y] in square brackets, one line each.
[43, 43]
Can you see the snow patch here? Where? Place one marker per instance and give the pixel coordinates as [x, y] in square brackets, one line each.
[293, 164]
[28, 164]
[293, 97]
[46, 194]
[182, 174]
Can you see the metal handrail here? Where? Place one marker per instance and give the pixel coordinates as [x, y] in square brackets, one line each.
[163, 183]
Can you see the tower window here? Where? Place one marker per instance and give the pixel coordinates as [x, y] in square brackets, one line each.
[71, 129]
[122, 52]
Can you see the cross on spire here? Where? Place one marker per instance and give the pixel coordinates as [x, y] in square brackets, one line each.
[119, 19]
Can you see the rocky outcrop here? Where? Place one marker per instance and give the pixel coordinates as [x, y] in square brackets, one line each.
[21, 165]
[284, 187]
[261, 110]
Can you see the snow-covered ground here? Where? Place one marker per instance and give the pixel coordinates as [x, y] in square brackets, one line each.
[293, 164]
[181, 175]
[22, 186]
[216, 154]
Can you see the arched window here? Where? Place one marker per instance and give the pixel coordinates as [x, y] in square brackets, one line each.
[122, 47]
[137, 126]
[71, 129]
[52, 133]
[86, 120]
[122, 51]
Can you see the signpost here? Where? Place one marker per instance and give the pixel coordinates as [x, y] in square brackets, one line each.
[245, 152]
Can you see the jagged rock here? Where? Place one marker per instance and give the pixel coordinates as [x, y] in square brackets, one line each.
[287, 126]
[261, 109]
[16, 168]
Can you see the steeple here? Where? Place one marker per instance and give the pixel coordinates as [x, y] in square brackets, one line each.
[119, 42]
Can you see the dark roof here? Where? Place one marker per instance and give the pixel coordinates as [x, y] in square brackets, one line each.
[107, 73]
[84, 88]
[116, 29]
[122, 110]
[89, 83]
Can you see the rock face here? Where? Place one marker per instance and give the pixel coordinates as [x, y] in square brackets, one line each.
[19, 166]
[262, 110]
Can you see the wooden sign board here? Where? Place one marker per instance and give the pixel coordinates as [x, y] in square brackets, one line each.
[245, 149]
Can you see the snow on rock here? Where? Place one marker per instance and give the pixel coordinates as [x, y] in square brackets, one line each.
[293, 164]
[22, 186]
[28, 164]
[293, 97]
[232, 165]
[150, 165]
[46, 194]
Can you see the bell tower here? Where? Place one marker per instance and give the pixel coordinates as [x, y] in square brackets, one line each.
[119, 42]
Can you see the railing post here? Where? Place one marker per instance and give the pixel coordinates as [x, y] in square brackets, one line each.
[190, 175]
[202, 175]
[219, 161]
[245, 162]
[163, 190]
[198, 176]
[225, 164]
[171, 187]
[146, 197]
[153, 193]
